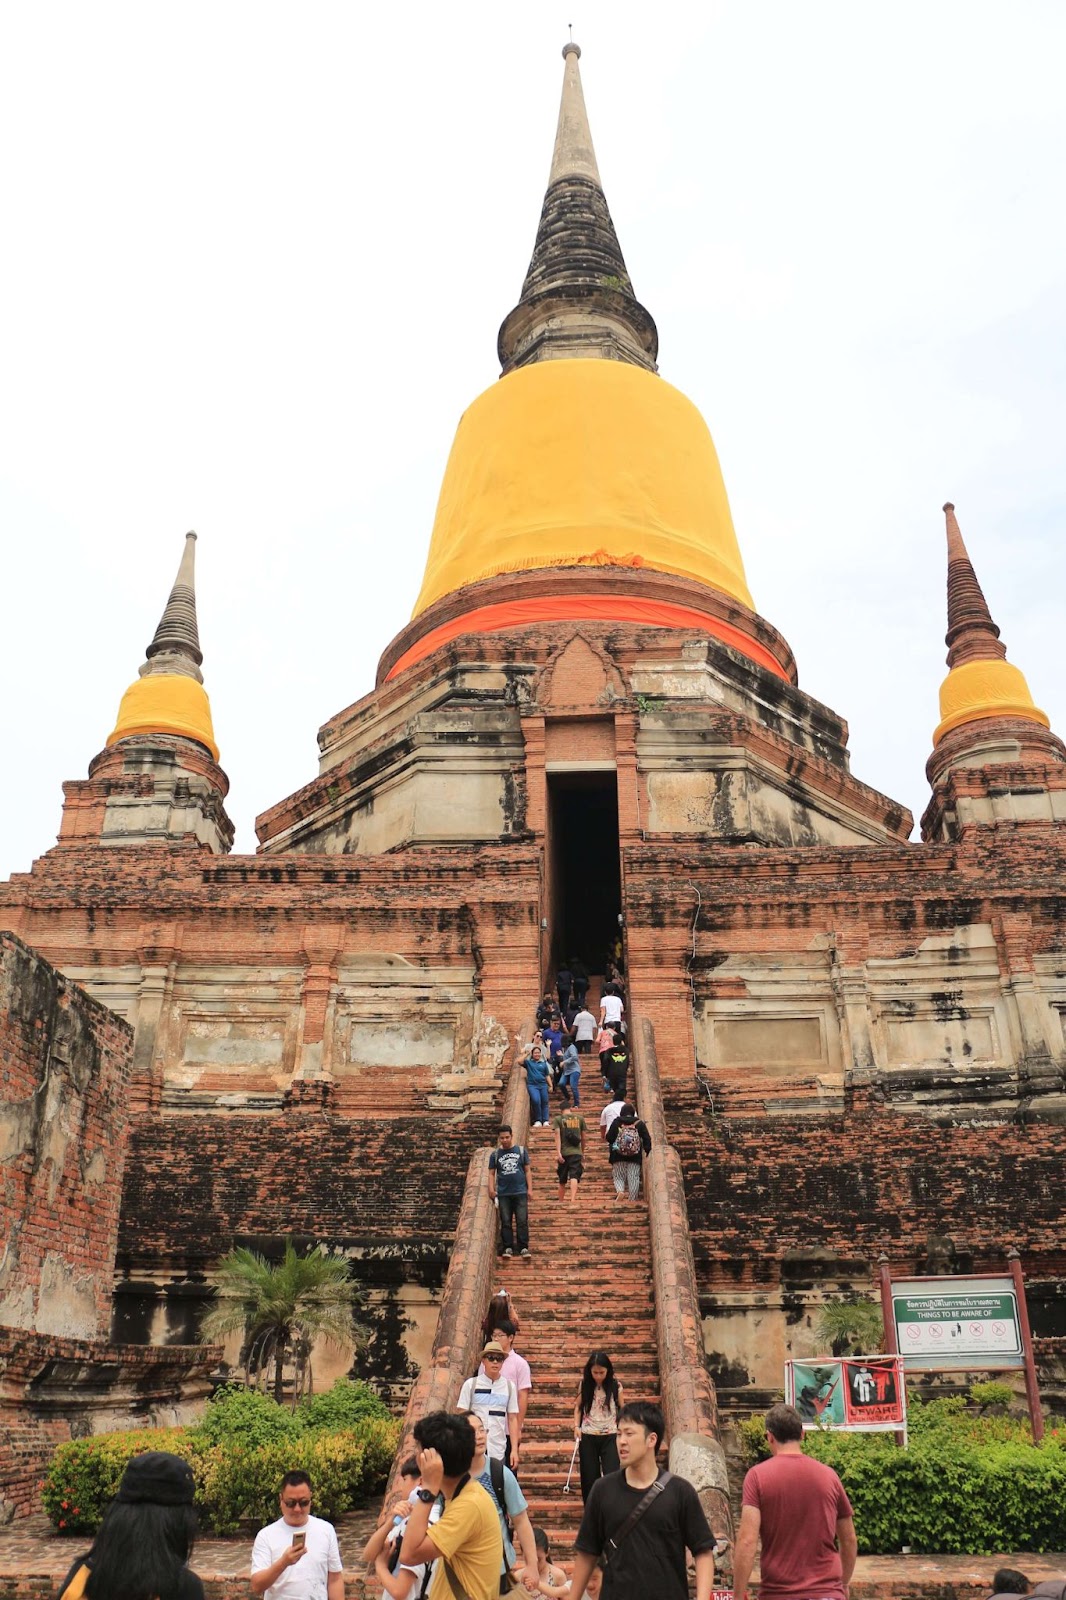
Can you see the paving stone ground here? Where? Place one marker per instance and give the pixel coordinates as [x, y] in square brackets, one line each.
[33, 1559]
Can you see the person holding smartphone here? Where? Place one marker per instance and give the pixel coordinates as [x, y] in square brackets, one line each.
[297, 1557]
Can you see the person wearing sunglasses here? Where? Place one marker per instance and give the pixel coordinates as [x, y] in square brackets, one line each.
[297, 1557]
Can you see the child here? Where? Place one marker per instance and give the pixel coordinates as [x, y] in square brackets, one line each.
[552, 1579]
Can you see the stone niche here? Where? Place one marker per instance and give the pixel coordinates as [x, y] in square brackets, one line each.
[766, 1026]
[229, 1036]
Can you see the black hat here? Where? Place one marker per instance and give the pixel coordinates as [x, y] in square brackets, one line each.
[157, 1479]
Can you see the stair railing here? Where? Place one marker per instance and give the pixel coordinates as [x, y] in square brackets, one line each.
[690, 1404]
[468, 1281]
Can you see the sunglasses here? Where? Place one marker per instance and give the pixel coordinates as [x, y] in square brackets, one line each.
[297, 1505]
[487, 1359]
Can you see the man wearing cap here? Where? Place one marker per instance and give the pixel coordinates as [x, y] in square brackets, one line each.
[297, 1557]
[495, 1400]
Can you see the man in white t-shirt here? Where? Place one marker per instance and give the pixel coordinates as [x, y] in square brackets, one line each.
[608, 1115]
[584, 1031]
[611, 1010]
[297, 1557]
[495, 1399]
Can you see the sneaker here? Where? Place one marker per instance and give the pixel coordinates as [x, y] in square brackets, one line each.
[508, 1252]
[525, 1252]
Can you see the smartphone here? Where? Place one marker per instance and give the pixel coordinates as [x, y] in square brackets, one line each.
[299, 1540]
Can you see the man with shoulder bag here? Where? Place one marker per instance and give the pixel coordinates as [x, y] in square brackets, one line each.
[641, 1521]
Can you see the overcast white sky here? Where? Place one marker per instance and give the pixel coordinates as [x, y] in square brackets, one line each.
[256, 256]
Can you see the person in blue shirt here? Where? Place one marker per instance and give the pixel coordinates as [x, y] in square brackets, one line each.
[537, 1070]
[510, 1185]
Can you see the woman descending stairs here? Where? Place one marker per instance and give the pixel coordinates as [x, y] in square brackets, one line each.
[586, 1287]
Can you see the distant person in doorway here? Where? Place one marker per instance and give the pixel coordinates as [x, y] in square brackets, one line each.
[599, 1400]
[580, 980]
[569, 1152]
[511, 1184]
[799, 1510]
[538, 1072]
[564, 986]
[143, 1545]
[629, 1142]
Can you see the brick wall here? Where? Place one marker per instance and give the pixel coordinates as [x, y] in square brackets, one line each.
[64, 1067]
[195, 1183]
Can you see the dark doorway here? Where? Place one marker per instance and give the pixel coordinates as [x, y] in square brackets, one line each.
[586, 883]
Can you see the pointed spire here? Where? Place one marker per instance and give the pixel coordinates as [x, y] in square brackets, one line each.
[169, 696]
[573, 156]
[577, 299]
[177, 635]
[981, 682]
[971, 635]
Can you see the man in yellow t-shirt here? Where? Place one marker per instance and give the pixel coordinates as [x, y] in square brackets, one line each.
[466, 1543]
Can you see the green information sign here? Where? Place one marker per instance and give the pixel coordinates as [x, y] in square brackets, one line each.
[958, 1322]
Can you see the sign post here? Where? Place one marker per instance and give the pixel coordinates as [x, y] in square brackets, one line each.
[963, 1324]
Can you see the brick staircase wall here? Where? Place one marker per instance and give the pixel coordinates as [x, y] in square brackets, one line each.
[207, 1180]
[867, 1181]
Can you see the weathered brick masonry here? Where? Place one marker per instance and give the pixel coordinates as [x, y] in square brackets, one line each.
[64, 1071]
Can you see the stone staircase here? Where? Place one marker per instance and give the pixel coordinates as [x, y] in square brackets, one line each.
[587, 1286]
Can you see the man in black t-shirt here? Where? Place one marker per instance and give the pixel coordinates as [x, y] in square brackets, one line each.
[649, 1562]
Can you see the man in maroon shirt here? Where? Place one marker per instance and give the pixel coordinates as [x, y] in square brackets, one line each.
[799, 1509]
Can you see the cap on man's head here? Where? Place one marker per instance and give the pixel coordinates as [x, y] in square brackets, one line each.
[493, 1348]
[157, 1478]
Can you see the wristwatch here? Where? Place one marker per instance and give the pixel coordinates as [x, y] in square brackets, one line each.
[426, 1496]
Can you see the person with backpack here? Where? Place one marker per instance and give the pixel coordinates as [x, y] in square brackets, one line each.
[511, 1506]
[629, 1142]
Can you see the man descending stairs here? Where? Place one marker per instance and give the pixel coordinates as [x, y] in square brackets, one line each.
[587, 1287]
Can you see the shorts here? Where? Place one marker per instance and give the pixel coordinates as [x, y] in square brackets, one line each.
[570, 1167]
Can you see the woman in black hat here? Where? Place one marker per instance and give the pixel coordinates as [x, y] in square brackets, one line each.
[145, 1539]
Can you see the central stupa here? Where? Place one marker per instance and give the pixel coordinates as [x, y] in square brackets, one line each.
[582, 486]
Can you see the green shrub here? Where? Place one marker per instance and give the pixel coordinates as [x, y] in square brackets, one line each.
[237, 1473]
[966, 1485]
[84, 1474]
[750, 1434]
[343, 1406]
[991, 1392]
[245, 1415]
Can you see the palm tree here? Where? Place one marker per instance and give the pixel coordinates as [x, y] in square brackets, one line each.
[283, 1307]
[850, 1327]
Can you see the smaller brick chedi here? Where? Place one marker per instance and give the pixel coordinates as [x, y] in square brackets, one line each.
[585, 734]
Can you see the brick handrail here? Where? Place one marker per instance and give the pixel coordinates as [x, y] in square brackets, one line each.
[689, 1401]
[468, 1282]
